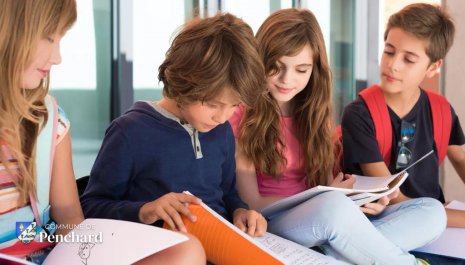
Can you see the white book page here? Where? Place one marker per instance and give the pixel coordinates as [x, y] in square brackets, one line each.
[122, 242]
[292, 253]
[452, 241]
[286, 251]
[456, 205]
[236, 229]
[372, 184]
[366, 197]
[362, 184]
[291, 201]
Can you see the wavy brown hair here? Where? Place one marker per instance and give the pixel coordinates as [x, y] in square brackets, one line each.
[285, 33]
[22, 24]
[210, 54]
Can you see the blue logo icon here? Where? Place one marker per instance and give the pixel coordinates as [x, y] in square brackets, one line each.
[26, 231]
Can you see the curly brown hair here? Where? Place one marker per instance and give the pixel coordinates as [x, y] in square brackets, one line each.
[285, 33]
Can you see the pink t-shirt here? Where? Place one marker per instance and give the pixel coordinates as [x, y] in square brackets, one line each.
[293, 179]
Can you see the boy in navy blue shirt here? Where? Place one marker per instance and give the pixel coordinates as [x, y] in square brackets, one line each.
[157, 150]
[417, 39]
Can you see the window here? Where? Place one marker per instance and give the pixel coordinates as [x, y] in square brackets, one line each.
[81, 84]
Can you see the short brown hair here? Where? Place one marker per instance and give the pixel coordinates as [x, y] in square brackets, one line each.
[427, 22]
[210, 54]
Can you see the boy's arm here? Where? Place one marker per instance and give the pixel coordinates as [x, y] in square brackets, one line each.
[109, 180]
[455, 218]
[377, 169]
[456, 155]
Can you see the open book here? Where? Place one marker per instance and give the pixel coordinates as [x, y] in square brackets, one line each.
[112, 242]
[225, 244]
[365, 190]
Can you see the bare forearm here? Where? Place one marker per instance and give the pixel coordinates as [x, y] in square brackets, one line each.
[400, 198]
[66, 219]
[263, 201]
[455, 218]
[456, 156]
[459, 168]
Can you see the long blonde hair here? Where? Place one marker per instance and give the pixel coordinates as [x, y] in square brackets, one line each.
[285, 33]
[22, 24]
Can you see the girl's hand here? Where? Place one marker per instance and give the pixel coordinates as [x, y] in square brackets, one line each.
[375, 208]
[250, 222]
[343, 181]
[169, 208]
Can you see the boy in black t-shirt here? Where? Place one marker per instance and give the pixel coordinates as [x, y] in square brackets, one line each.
[416, 40]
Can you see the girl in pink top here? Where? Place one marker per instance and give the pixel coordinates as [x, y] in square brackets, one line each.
[285, 146]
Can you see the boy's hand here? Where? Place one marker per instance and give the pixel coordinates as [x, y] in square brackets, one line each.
[168, 208]
[343, 181]
[250, 222]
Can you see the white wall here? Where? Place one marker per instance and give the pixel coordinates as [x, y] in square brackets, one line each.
[454, 80]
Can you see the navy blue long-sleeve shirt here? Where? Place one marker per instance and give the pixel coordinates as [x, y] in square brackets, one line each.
[147, 153]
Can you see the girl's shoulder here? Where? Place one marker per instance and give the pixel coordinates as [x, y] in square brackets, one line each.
[62, 122]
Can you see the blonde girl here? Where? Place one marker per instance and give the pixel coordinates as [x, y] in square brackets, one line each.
[36, 175]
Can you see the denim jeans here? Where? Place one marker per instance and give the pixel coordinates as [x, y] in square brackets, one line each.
[334, 222]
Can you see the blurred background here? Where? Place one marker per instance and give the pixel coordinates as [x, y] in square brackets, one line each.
[111, 58]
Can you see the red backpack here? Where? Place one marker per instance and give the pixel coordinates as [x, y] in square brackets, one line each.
[374, 99]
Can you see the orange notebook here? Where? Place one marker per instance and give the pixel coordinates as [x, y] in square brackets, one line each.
[225, 244]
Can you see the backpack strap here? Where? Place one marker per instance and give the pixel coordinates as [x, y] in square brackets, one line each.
[46, 143]
[374, 99]
[442, 122]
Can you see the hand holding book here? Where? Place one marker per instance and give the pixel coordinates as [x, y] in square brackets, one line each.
[343, 181]
[365, 189]
[226, 244]
[169, 208]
